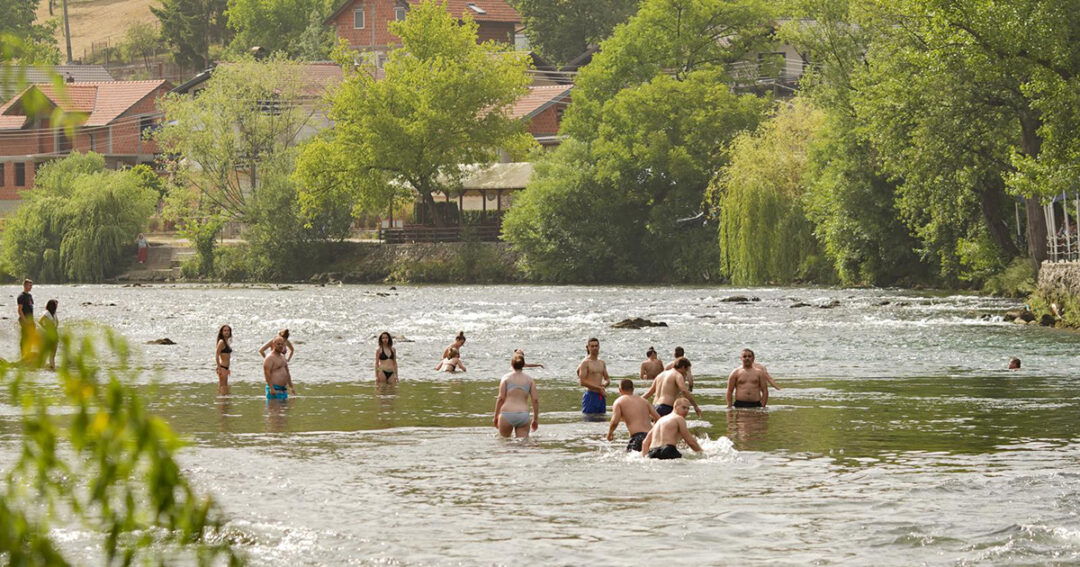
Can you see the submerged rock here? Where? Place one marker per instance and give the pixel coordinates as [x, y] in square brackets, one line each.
[165, 341]
[830, 305]
[799, 304]
[637, 323]
[736, 299]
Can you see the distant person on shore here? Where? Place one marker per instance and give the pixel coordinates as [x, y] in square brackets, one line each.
[671, 385]
[516, 390]
[223, 356]
[1014, 363]
[651, 367]
[593, 376]
[143, 247]
[28, 338]
[662, 439]
[284, 334]
[748, 386]
[386, 360]
[276, 371]
[689, 376]
[636, 411]
[522, 353]
[50, 328]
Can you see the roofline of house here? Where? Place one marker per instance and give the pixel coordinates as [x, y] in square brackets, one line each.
[555, 100]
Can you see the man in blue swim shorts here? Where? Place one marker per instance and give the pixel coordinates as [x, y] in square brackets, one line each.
[276, 371]
[593, 376]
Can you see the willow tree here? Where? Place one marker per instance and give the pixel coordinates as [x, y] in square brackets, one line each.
[442, 105]
[765, 236]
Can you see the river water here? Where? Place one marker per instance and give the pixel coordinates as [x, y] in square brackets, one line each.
[898, 437]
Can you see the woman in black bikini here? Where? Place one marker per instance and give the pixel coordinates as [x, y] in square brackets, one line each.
[386, 360]
[223, 357]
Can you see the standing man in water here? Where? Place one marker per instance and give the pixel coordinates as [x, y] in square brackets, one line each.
[276, 372]
[662, 438]
[651, 366]
[748, 385]
[635, 411]
[593, 376]
[671, 384]
[27, 330]
[679, 353]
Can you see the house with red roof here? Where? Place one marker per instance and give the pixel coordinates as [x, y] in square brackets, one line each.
[109, 117]
[365, 24]
[542, 108]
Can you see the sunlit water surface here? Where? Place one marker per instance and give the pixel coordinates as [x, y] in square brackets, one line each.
[897, 438]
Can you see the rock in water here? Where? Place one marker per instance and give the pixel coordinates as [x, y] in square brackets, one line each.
[165, 341]
[637, 323]
[736, 299]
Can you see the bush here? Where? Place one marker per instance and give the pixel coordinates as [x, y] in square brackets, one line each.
[1016, 280]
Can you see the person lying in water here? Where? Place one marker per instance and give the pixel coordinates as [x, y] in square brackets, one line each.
[662, 439]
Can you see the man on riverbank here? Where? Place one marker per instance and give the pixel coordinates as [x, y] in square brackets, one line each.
[593, 376]
[276, 372]
[748, 385]
[671, 385]
[636, 411]
[651, 366]
[689, 376]
[27, 330]
[662, 438]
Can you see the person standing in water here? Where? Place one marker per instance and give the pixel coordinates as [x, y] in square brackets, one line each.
[451, 357]
[516, 390]
[651, 366]
[386, 360]
[284, 334]
[636, 411]
[27, 328]
[748, 386]
[276, 372]
[689, 376]
[593, 376]
[671, 384]
[223, 356]
[50, 327]
[662, 439]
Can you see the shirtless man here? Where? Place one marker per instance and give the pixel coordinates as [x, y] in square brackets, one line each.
[276, 372]
[748, 383]
[671, 384]
[635, 411]
[651, 366]
[592, 375]
[662, 438]
[679, 353]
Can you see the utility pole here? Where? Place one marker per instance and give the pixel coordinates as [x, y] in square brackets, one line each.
[67, 31]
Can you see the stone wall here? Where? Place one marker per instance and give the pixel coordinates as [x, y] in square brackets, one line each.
[1058, 293]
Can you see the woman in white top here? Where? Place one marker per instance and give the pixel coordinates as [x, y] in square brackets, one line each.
[49, 324]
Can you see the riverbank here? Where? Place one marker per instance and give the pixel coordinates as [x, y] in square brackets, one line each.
[1057, 295]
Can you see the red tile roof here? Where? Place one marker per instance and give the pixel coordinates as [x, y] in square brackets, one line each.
[481, 10]
[538, 99]
[104, 101]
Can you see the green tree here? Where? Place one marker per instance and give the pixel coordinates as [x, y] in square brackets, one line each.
[37, 42]
[190, 27]
[765, 236]
[563, 29]
[274, 25]
[442, 105]
[140, 42]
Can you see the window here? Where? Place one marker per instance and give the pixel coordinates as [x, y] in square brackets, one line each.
[20, 175]
[399, 13]
[63, 142]
[146, 126]
[2, 175]
[476, 8]
[358, 18]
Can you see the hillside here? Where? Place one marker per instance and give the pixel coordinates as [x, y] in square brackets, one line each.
[97, 21]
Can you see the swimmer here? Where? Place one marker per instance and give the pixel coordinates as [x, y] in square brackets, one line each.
[276, 371]
[679, 353]
[636, 411]
[451, 356]
[651, 366]
[522, 353]
[671, 384]
[662, 438]
[223, 356]
[385, 360]
[284, 333]
[516, 389]
[747, 385]
[1014, 363]
[593, 376]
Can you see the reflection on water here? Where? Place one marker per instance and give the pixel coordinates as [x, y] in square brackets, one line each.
[898, 437]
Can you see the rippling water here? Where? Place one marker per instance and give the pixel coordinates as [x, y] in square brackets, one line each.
[897, 439]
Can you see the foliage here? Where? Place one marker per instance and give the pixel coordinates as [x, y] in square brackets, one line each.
[563, 29]
[234, 129]
[190, 28]
[316, 41]
[764, 234]
[274, 25]
[140, 41]
[1018, 279]
[109, 464]
[79, 223]
[36, 41]
[442, 105]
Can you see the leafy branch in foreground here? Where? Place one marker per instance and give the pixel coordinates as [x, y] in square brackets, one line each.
[107, 464]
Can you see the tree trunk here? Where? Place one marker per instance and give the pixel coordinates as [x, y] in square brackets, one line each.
[992, 200]
[433, 210]
[1031, 144]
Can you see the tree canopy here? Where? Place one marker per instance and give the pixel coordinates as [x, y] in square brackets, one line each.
[190, 27]
[563, 29]
[276, 25]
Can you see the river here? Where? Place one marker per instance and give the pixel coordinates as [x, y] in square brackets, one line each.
[898, 438]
